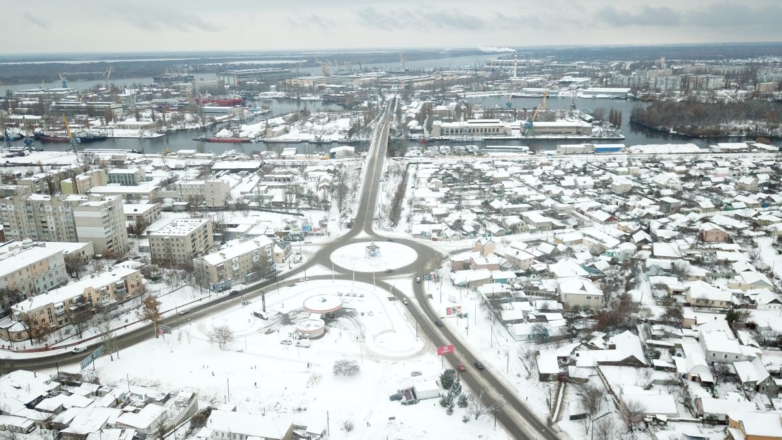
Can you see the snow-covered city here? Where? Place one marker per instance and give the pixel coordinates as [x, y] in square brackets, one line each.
[277, 237]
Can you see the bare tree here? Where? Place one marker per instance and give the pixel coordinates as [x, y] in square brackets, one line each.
[150, 311]
[74, 265]
[344, 367]
[592, 397]
[604, 429]
[80, 315]
[108, 336]
[632, 413]
[222, 335]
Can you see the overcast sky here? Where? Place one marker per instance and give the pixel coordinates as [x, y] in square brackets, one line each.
[51, 26]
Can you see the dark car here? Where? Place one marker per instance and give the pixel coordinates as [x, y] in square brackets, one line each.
[394, 397]
[389, 239]
[389, 270]
[234, 292]
[438, 323]
[479, 366]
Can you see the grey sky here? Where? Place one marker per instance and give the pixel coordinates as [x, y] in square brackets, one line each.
[152, 25]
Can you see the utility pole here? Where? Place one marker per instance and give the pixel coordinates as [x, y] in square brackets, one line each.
[263, 300]
[228, 387]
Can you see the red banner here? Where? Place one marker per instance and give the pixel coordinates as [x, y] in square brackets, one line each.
[445, 349]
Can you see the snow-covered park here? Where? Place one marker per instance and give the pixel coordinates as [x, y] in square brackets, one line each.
[263, 377]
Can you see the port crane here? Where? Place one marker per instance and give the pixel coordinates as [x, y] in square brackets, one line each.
[64, 81]
[107, 74]
[28, 138]
[324, 67]
[6, 139]
[529, 127]
[74, 141]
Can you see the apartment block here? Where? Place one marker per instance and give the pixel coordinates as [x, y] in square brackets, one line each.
[148, 212]
[99, 292]
[214, 193]
[240, 262]
[67, 218]
[180, 241]
[127, 176]
[31, 268]
[83, 183]
[102, 222]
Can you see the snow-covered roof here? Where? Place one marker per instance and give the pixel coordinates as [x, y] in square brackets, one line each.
[265, 427]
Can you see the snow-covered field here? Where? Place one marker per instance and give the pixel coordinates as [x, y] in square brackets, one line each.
[392, 256]
[266, 378]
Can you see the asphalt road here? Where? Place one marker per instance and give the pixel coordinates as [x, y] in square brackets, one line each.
[513, 415]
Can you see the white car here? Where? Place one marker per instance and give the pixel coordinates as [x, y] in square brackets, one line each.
[77, 350]
[304, 343]
[286, 342]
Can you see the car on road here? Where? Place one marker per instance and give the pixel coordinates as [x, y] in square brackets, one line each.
[246, 302]
[286, 342]
[394, 397]
[461, 367]
[77, 350]
[479, 365]
[438, 323]
[390, 239]
[417, 279]
[184, 312]
[389, 270]
[405, 301]
[234, 292]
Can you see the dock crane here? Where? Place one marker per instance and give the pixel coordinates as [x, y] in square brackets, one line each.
[64, 81]
[107, 73]
[74, 141]
[325, 68]
[529, 127]
[28, 138]
[6, 139]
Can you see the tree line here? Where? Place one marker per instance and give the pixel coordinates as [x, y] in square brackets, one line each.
[714, 119]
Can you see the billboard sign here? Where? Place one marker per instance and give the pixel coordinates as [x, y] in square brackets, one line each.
[445, 349]
[455, 310]
[91, 357]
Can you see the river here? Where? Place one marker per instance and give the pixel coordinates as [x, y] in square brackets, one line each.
[634, 135]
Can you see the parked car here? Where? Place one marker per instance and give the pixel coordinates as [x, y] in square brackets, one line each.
[479, 365]
[415, 373]
[246, 302]
[405, 301]
[184, 312]
[286, 342]
[390, 239]
[417, 279]
[304, 343]
[389, 270]
[438, 323]
[394, 397]
[77, 350]
[461, 367]
[410, 402]
[260, 314]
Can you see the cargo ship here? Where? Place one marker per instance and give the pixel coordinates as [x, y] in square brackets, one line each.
[223, 140]
[63, 137]
[220, 101]
[172, 78]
